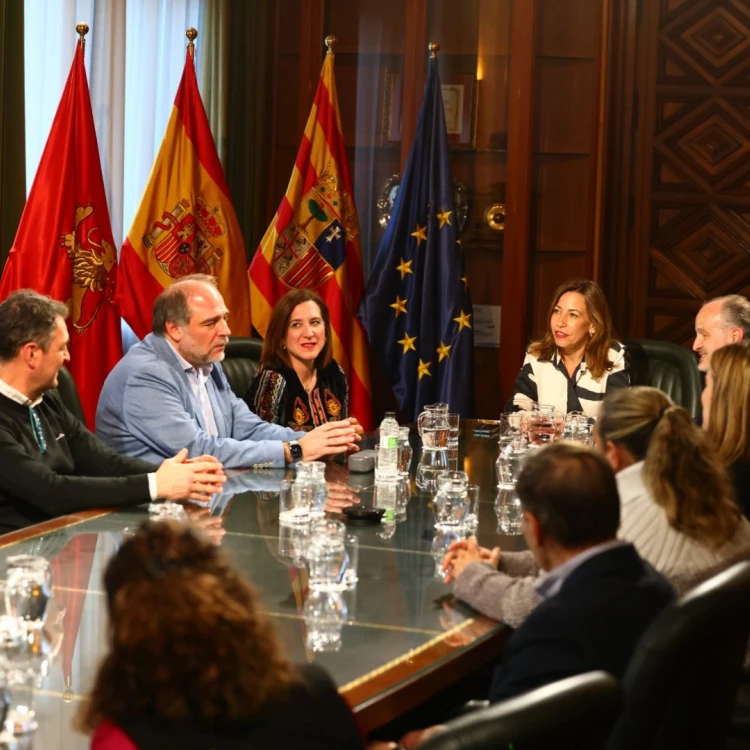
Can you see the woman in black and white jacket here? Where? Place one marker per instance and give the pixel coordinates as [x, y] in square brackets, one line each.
[577, 362]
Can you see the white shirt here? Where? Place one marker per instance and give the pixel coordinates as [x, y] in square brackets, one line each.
[198, 377]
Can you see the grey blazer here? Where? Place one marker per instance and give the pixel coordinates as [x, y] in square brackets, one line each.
[147, 409]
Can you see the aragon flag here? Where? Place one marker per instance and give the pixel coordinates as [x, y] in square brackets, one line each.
[186, 222]
[64, 246]
[313, 241]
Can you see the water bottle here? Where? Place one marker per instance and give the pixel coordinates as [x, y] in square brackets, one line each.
[389, 442]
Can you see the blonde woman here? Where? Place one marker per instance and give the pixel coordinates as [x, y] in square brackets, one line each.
[726, 414]
[677, 508]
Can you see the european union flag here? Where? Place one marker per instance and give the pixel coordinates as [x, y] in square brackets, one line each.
[417, 310]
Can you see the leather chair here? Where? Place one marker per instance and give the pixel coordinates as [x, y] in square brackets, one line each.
[577, 712]
[669, 367]
[241, 362]
[68, 392]
[681, 684]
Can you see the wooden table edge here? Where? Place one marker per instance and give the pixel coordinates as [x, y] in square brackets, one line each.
[390, 691]
[54, 524]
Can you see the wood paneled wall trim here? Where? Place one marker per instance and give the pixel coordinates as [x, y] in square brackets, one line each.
[312, 49]
[414, 72]
[514, 322]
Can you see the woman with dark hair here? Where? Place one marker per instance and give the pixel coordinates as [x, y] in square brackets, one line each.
[194, 662]
[726, 414]
[577, 361]
[299, 384]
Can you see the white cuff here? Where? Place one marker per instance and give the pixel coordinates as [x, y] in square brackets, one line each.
[152, 486]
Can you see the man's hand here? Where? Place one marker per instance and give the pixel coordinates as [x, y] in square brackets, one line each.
[463, 553]
[180, 479]
[340, 496]
[331, 438]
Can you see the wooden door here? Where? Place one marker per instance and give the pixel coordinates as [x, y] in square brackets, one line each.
[687, 213]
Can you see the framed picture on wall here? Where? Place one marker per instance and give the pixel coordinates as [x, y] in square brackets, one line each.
[460, 100]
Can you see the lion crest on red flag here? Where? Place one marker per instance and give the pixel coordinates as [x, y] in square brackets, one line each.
[94, 262]
[182, 239]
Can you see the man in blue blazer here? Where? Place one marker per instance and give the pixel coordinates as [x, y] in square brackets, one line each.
[598, 596]
[169, 390]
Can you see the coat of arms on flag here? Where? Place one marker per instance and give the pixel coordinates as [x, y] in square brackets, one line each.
[313, 246]
[182, 239]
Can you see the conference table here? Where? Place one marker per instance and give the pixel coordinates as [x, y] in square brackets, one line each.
[404, 636]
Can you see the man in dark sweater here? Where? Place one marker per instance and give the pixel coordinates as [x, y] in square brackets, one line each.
[50, 464]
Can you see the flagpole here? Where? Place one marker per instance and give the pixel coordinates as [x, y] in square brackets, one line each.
[434, 48]
[82, 29]
[192, 35]
[330, 42]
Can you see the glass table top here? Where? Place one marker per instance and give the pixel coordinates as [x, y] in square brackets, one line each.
[402, 623]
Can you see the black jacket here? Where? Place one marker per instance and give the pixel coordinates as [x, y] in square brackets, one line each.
[593, 622]
[313, 716]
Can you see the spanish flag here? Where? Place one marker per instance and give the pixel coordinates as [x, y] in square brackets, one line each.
[313, 241]
[186, 222]
[64, 247]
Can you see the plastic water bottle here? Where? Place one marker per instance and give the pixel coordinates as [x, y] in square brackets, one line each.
[389, 442]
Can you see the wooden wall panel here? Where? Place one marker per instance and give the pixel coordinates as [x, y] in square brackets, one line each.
[563, 208]
[569, 28]
[567, 93]
[691, 191]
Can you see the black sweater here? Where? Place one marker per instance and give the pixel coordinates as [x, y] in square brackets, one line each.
[76, 471]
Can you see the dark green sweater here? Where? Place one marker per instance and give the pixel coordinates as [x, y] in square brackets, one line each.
[76, 471]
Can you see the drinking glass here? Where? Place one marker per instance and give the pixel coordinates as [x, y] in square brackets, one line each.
[444, 537]
[454, 422]
[578, 427]
[326, 556]
[405, 450]
[351, 546]
[294, 507]
[325, 613]
[509, 462]
[451, 501]
[545, 426]
[311, 481]
[508, 511]
[28, 589]
[471, 520]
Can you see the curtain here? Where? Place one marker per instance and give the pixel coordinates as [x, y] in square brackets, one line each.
[213, 70]
[12, 161]
[250, 32]
[133, 78]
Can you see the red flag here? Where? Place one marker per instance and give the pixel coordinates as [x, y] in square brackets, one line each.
[313, 241]
[186, 222]
[64, 246]
[71, 575]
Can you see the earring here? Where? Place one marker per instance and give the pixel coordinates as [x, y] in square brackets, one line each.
[283, 346]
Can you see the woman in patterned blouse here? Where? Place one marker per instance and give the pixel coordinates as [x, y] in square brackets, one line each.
[299, 384]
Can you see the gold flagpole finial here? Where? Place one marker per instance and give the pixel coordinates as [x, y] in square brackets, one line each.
[82, 29]
[434, 48]
[330, 42]
[192, 35]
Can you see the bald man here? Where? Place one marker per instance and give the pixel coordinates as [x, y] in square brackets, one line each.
[170, 389]
[721, 321]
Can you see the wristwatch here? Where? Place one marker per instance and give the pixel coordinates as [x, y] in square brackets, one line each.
[296, 450]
